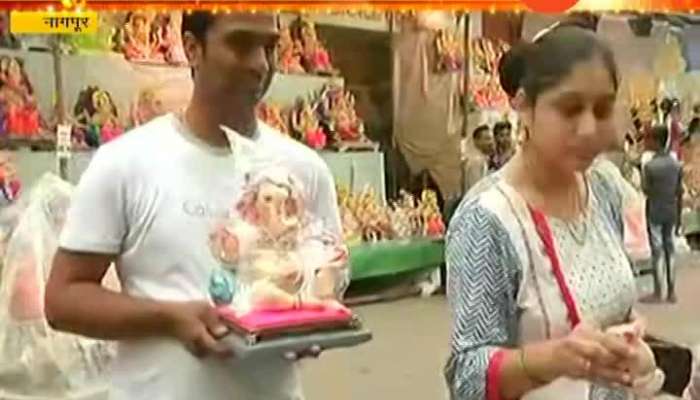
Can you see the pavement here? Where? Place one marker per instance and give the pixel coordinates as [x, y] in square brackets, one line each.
[405, 359]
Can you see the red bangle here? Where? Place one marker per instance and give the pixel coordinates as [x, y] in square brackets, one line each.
[493, 375]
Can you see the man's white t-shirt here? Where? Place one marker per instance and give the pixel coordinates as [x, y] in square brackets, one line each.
[152, 197]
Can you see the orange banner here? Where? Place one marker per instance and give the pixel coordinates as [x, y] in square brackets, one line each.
[316, 5]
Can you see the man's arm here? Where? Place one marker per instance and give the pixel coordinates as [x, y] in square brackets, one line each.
[77, 302]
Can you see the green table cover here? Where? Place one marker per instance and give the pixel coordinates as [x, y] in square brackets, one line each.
[691, 222]
[393, 257]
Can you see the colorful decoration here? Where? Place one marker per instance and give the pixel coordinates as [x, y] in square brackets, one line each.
[365, 219]
[484, 80]
[449, 51]
[19, 113]
[97, 118]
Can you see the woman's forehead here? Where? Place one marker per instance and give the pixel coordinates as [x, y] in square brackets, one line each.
[589, 79]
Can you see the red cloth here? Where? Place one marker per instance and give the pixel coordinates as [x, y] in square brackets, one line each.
[493, 375]
[547, 238]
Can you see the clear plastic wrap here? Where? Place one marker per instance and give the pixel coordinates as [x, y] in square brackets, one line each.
[274, 254]
[37, 362]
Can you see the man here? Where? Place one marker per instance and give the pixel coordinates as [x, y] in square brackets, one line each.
[477, 164]
[503, 133]
[149, 201]
[662, 184]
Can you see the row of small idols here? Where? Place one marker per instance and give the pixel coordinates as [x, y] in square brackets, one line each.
[95, 118]
[364, 219]
[326, 119]
[154, 37]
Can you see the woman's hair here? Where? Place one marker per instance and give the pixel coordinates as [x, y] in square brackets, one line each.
[539, 66]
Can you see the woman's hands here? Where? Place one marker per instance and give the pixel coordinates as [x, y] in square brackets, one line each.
[586, 353]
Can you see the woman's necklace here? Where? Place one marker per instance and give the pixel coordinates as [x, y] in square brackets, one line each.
[578, 228]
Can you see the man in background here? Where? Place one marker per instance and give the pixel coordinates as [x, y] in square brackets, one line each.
[503, 134]
[662, 184]
[478, 162]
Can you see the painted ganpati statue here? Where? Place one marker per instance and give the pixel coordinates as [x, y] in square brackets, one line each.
[289, 57]
[20, 112]
[136, 41]
[97, 116]
[306, 124]
[315, 57]
[347, 126]
[433, 224]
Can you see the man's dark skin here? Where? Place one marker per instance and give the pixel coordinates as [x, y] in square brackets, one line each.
[232, 69]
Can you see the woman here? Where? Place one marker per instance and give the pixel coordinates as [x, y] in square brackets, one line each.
[537, 268]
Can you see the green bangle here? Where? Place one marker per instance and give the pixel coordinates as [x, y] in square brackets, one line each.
[534, 379]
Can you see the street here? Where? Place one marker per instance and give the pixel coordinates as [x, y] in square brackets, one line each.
[405, 359]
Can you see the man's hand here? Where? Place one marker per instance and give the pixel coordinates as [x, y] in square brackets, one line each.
[198, 327]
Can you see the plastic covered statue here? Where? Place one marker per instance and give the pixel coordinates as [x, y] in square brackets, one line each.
[147, 106]
[273, 247]
[278, 266]
[37, 362]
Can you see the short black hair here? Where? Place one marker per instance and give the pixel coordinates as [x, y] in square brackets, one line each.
[660, 135]
[502, 126]
[198, 23]
[480, 130]
[669, 104]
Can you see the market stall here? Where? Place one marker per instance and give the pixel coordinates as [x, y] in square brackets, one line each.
[134, 69]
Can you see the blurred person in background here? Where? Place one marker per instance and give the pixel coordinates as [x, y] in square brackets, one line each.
[662, 183]
[505, 145]
[478, 162]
